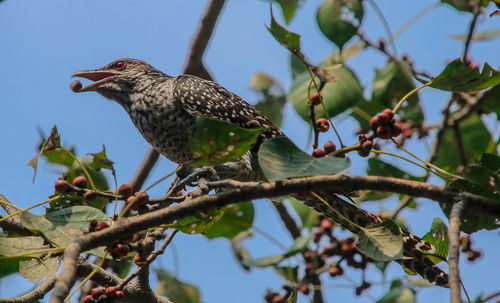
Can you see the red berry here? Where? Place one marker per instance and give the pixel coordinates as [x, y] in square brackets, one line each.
[365, 149]
[388, 112]
[123, 249]
[132, 199]
[396, 129]
[110, 291]
[336, 270]
[101, 225]
[142, 198]
[95, 292]
[277, 299]
[329, 147]
[374, 123]
[90, 195]
[326, 224]
[341, 155]
[119, 294]
[318, 153]
[139, 260]
[75, 86]
[383, 118]
[125, 190]
[61, 186]
[87, 299]
[80, 182]
[323, 125]
[407, 133]
[384, 132]
[315, 99]
[304, 289]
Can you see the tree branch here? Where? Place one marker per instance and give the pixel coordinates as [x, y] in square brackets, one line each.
[257, 190]
[289, 222]
[477, 11]
[454, 250]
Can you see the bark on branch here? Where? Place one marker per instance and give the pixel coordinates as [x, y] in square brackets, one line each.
[257, 190]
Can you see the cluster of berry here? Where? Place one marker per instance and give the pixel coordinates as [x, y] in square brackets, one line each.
[107, 294]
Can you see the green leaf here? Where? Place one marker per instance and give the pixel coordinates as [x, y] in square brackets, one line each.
[290, 273]
[479, 36]
[297, 66]
[216, 142]
[490, 161]
[53, 142]
[286, 38]
[237, 218]
[100, 160]
[471, 223]
[239, 251]
[338, 96]
[22, 245]
[339, 20]
[35, 269]
[382, 242]
[377, 167]
[398, 294]
[307, 215]
[9, 266]
[298, 245]
[78, 217]
[293, 297]
[267, 261]
[262, 82]
[476, 140]
[60, 157]
[199, 223]
[459, 77]
[391, 84]
[272, 108]
[288, 7]
[58, 235]
[464, 5]
[490, 100]
[438, 237]
[174, 289]
[279, 159]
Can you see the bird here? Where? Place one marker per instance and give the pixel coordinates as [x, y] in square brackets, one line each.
[164, 110]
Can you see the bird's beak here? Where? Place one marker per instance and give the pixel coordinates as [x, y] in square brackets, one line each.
[98, 76]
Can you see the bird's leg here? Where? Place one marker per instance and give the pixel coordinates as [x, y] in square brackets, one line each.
[192, 179]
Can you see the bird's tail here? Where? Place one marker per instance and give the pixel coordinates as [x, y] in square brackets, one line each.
[351, 217]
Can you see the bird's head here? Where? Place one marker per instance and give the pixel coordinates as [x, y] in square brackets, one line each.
[119, 79]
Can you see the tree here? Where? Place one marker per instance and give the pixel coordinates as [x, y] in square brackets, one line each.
[462, 157]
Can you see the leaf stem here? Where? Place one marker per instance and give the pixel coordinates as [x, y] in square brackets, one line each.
[36, 252]
[408, 95]
[440, 170]
[26, 209]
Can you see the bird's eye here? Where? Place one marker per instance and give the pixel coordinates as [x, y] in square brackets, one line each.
[119, 65]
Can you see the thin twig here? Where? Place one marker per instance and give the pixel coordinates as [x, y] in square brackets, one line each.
[470, 33]
[454, 249]
[289, 222]
[150, 259]
[385, 24]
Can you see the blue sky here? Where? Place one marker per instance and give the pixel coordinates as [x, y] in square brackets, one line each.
[44, 42]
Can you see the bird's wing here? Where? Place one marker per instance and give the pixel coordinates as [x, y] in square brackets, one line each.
[205, 98]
